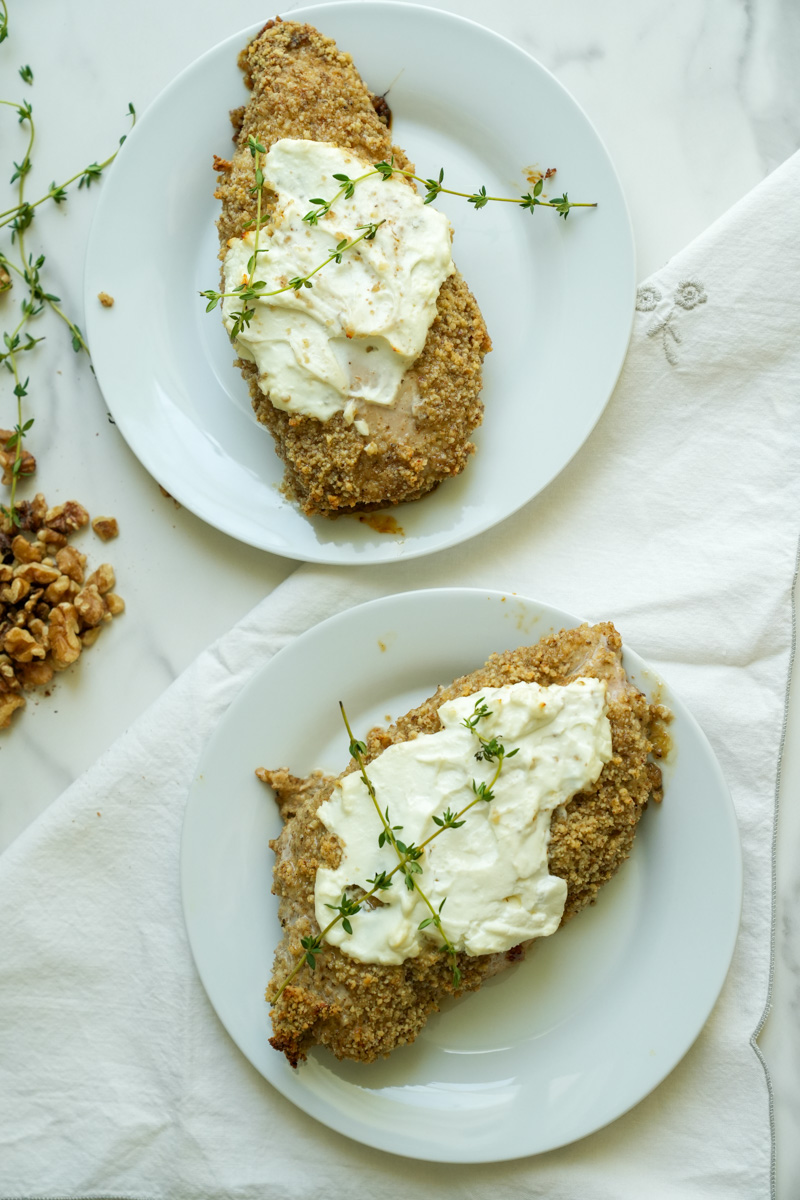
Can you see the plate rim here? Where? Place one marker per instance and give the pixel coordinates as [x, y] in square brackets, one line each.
[381, 553]
[375, 1137]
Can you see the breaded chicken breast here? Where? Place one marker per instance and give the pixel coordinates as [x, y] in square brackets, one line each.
[364, 1010]
[303, 87]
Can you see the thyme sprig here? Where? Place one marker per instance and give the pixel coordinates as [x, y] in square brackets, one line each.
[254, 289]
[251, 290]
[408, 856]
[20, 216]
[435, 187]
[28, 269]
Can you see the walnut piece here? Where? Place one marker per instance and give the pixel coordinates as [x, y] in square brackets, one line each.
[37, 572]
[22, 646]
[52, 537]
[106, 528]
[90, 605]
[90, 636]
[65, 644]
[9, 703]
[106, 300]
[71, 563]
[66, 518]
[34, 674]
[103, 578]
[25, 551]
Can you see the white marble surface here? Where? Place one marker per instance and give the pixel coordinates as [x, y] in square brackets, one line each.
[696, 101]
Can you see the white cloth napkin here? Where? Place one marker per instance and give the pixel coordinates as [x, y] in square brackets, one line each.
[678, 519]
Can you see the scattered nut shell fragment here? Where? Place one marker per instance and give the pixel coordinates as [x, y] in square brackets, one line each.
[106, 528]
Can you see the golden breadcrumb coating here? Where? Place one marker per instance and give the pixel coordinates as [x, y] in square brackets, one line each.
[304, 87]
[362, 1010]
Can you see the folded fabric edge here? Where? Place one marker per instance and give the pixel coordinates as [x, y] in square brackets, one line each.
[773, 1177]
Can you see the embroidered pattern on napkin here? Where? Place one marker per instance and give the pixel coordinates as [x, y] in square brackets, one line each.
[687, 295]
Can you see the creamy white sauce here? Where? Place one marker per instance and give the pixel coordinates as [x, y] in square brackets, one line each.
[352, 336]
[493, 870]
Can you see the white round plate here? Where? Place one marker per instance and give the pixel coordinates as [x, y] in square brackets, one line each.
[546, 1052]
[557, 296]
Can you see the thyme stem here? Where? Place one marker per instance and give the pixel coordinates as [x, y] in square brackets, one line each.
[19, 217]
[55, 191]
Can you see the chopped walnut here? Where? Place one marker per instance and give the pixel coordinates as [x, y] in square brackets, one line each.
[8, 672]
[65, 645]
[34, 674]
[48, 614]
[9, 703]
[66, 518]
[25, 551]
[106, 300]
[31, 513]
[15, 592]
[106, 528]
[22, 646]
[39, 629]
[70, 562]
[90, 605]
[51, 537]
[58, 590]
[37, 572]
[104, 578]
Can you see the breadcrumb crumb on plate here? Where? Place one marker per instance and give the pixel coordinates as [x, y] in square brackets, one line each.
[557, 296]
[556, 1046]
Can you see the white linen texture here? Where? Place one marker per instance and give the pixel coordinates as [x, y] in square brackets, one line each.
[678, 521]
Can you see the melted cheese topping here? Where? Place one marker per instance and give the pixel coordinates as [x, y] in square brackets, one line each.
[354, 333]
[492, 870]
